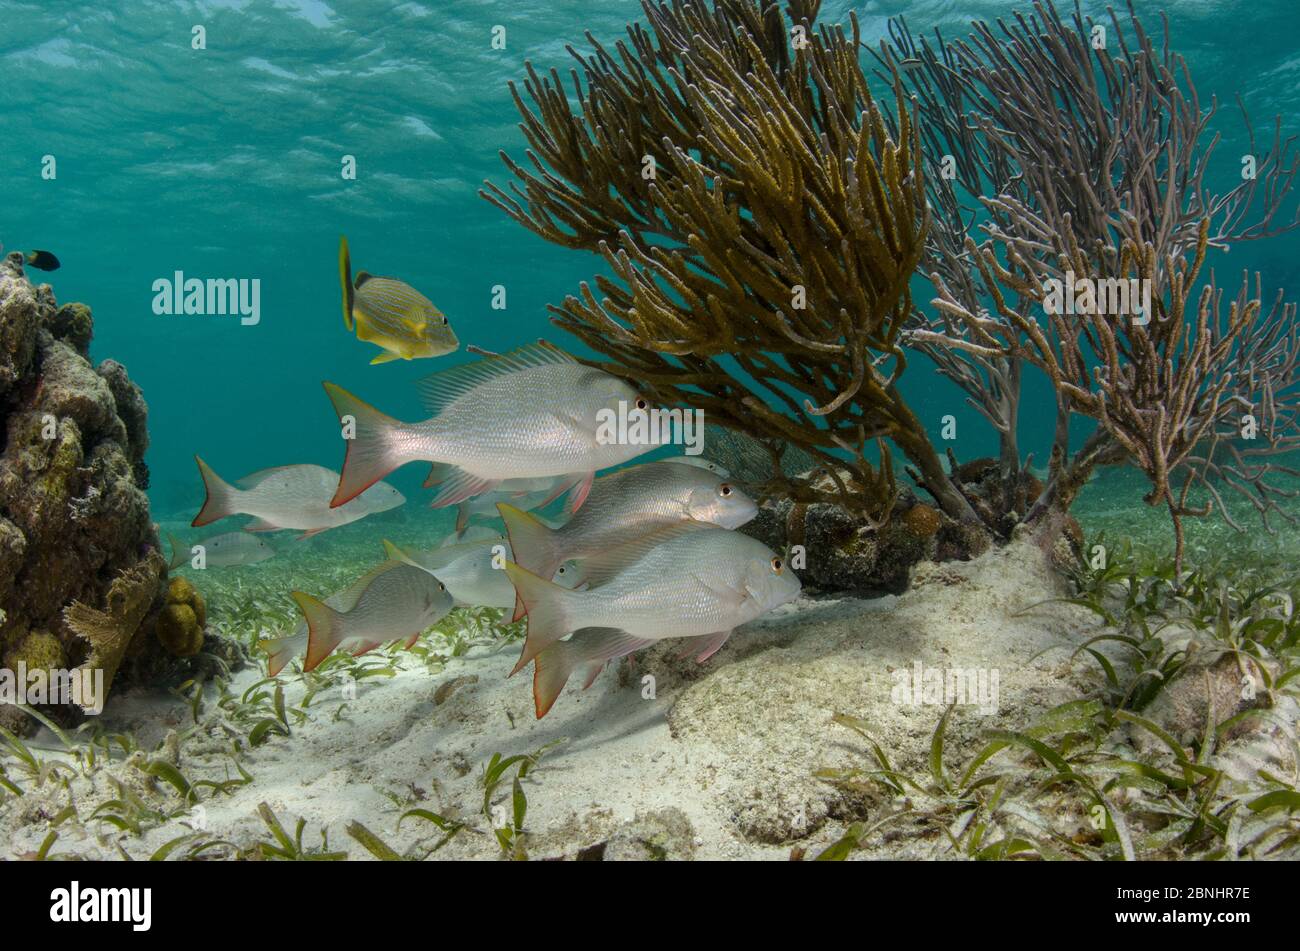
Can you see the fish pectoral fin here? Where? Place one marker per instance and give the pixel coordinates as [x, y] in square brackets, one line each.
[309, 533]
[704, 646]
[732, 597]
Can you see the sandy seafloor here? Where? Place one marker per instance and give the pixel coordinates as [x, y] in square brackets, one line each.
[719, 763]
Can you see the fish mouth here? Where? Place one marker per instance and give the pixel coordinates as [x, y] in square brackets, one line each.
[735, 519]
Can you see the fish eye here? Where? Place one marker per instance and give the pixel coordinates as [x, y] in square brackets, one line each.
[441, 586]
[777, 564]
[561, 571]
[641, 403]
[724, 490]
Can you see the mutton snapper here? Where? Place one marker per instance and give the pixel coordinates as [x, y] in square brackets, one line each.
[530, 413]
[698, 584]
[623, 506]
[295, 497]
[234, 548]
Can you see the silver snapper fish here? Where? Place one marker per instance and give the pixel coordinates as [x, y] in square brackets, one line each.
[622, 506]
[293, 497]
[400, 601]
[698, 584]
[475, 577]
[529, 494]
[523, 494]
[226, 550]
[530, 413]
[235, 548]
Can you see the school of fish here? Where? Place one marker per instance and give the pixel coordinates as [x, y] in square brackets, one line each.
[644, 553]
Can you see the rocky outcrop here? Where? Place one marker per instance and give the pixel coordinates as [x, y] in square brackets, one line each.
[80, 577]
[843, 552]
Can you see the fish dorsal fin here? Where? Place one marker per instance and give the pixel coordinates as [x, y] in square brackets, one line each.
[352, 593]
[361, 278]
[445, 387]
[401, 555]
[600, 568]
[435, 559]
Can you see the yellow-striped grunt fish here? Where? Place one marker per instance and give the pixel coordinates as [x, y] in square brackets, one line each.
[397, 602]
[392, 314]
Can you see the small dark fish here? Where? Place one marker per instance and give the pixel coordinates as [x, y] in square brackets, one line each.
[42, 260]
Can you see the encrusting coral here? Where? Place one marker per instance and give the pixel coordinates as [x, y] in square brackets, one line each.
[81, 576]
[179, 625]
[762, 215]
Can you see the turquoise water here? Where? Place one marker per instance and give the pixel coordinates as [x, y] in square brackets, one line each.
[225, 163]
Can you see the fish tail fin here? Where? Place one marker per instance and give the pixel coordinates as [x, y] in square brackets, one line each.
[550, 674]
[370, 454]
[324, 628]
[533, 545]
[547, 606]
[279, 651]
[345, 279]
[177, 559]
[219, 500]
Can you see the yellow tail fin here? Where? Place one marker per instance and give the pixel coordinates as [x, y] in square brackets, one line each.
[324, 628]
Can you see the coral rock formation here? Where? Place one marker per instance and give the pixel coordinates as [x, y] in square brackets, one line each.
[79, 569]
